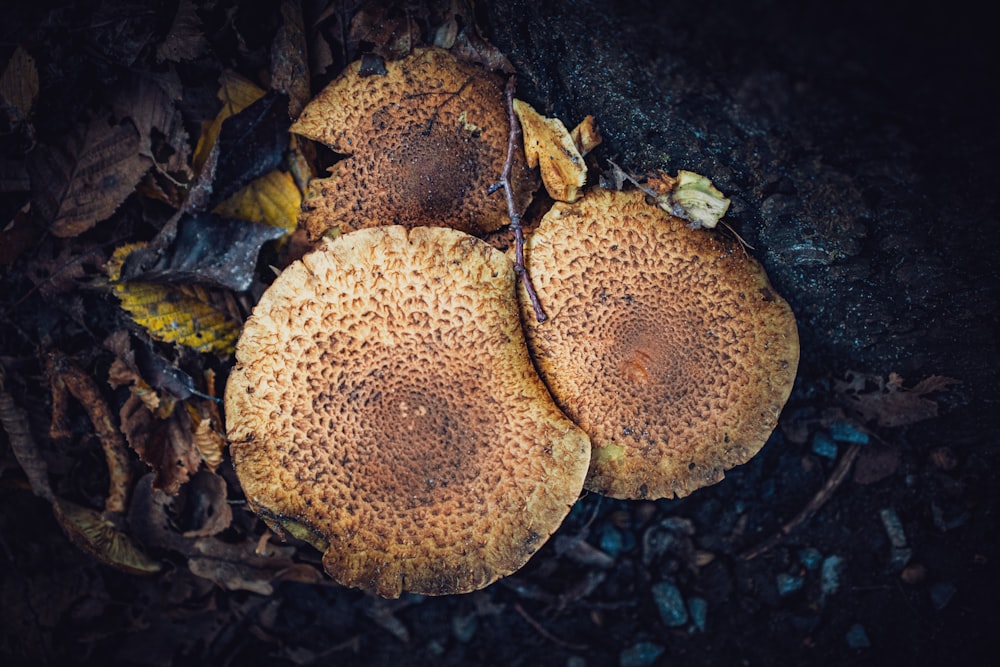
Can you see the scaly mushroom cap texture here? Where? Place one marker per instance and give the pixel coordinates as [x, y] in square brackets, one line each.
[426, 141]
[384, 408]
[667, 345]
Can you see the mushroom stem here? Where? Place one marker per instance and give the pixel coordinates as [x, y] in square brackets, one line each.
[515, 217]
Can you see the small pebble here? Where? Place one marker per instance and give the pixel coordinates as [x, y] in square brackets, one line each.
[698, 608]
[857, 637]
[941, 594]
[670, 604]
[900, 557]
[611, 541]
[810, 558]
[914, 573]
[464, 626]
[944, 458]
[788, 584]
[829, 578]
[640, 655]
[849, 433]
[893, 527]
[824, 446]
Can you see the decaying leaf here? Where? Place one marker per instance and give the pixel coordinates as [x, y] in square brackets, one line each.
[165, 445]
[887, 402]
[691, 197]
[273, 199]
[14, 420]
[84, 388]
[171, 314]
[185, 41]
[85, 180]
[391, 31]
[289, 67]
[18, 87]
[549, 146]
[236, 94]
[206, 511]
[243, 567]
[250, 144]
[98, 536]
[162, 136]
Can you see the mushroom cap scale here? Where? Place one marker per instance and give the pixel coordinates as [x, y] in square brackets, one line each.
[384, 407]
[667, 345]
[425, 141]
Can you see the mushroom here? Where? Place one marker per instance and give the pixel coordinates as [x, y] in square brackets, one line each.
[384, 408]
[426, 141]
[666, 344]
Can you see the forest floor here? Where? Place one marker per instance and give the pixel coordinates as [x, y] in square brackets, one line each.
[859, 147]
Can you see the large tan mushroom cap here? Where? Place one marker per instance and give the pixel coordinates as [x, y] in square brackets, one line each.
[384, 407]
[667, 345]
[427, 140]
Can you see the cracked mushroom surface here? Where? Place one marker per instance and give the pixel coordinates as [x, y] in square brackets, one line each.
[384, 408]
[666, 344]
[425, 141]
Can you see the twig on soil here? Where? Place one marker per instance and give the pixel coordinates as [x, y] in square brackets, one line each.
[838, 475]
[545, 633]
[515, 217]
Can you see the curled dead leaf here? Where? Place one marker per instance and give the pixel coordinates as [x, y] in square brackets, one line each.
[549, 146]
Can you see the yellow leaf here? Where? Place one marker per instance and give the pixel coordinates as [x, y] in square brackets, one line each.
[236, 93]
[272, 199]
[173, 314]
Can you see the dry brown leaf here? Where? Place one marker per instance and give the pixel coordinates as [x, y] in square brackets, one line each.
[186, 39]
[876, 462]
[14, 420]
[289, 68]
[18, 87]
[150, 108]
[165, 445]
[206, 508]
[887, 402]
[84, 180]
[241, 567]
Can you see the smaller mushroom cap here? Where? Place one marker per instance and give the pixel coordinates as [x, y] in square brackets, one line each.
[666, 344]
[426, 141]
[384, 408]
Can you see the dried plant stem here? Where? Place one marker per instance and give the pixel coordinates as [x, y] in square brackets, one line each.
[838, 475]
[515, 217]
[85, 390]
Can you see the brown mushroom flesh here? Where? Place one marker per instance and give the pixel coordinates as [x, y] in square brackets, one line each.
[667, 345]
[384, 407]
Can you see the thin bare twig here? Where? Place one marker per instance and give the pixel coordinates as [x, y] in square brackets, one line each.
[515, 217]
[545, 633]
[838, 475]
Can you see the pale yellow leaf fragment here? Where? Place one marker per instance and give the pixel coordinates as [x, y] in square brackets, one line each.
[690, 196]
[273, 199]
[549, 146]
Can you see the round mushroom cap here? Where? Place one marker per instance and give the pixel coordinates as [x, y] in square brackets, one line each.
[667, 345]
[384, 408]
[426, 141]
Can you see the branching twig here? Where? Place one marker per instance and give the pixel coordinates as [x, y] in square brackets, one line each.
[836, 478]
[515, 217]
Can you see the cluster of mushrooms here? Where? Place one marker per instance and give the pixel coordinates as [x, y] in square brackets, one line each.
[396, 402]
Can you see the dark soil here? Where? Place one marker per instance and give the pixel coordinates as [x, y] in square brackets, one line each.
[858, 141]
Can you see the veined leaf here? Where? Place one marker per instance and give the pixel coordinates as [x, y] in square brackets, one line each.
[173, 314]
[273, 199]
